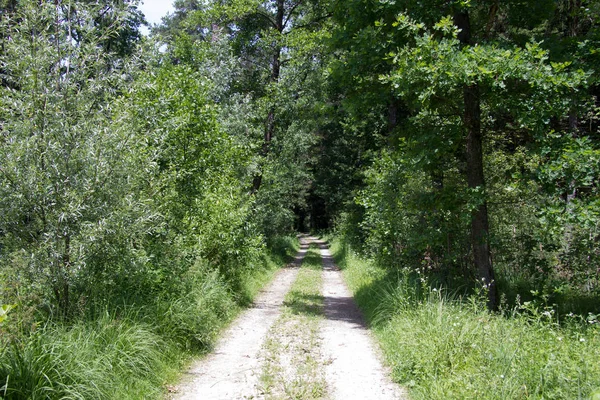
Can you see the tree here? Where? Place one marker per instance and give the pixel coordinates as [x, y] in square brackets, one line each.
[61, 171]
[453, 91]
[262, 53]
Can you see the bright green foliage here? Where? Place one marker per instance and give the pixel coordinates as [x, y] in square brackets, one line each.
[194, 175]
[64, 172]
[119, 191]
[424, 220]
[86, 361]
[402, 71]
[440, 345]
[148, 177]
[4, 310]
[265, 58]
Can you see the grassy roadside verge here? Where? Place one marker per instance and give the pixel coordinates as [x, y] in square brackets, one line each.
[131, 352]
[444, 347]
[282, 251]
[291, 353]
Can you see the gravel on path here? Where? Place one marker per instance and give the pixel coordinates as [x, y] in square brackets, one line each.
[350, 359]
[230, 371]
[353, 366]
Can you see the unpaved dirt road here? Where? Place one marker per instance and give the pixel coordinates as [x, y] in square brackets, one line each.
[349, 359]
[354, 370]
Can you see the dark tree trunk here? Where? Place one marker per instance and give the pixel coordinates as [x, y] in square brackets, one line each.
[480, 225]
[573, 20]
[275, 72]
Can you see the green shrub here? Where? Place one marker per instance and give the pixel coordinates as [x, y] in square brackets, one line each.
[445, 346]
[130, 352]
[91, 360]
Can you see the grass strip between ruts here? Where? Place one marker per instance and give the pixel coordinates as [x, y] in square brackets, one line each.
[292, 362]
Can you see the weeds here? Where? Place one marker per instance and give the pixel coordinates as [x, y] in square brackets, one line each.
[292, 350]
[86, 361]
[442, 345]
[130, 352]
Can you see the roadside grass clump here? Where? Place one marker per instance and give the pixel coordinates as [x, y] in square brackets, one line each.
[283, 248]
[114, 355]
[128, 351]
[194, 319]
[291, 353]
[442, 345]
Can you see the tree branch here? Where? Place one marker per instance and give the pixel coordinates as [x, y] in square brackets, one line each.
[291, 13]
[267, 17]
[313, 22]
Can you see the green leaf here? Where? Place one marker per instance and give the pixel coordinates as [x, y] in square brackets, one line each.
[4, 310]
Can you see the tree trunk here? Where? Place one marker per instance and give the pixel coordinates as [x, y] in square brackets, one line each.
[573, 10]
[275, 72]
[66, 301]
[480, 225]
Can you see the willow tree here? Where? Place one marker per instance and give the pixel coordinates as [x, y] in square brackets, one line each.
[63, 169]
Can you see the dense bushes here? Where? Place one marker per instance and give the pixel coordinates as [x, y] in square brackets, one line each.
[475, 137]
[128, 352]
[541, 241]
[127, 236]
[119, 180]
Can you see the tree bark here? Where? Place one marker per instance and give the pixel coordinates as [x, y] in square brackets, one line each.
[480, 225]
[275, 73]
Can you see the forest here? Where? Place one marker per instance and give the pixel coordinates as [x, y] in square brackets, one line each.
[150, 185]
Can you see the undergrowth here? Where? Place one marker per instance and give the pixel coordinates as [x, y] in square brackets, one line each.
[442, 345]
[131, 352]
[283, 249]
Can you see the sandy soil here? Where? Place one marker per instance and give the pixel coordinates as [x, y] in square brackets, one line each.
[349, 359]
[230, 372]
[353, 367]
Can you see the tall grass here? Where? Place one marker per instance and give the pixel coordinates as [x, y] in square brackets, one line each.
[127, 353]
[282, 250]
[91, 360]
[445, 346]
[194, 319]
[130, 352]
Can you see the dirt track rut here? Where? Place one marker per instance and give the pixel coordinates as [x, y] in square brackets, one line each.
[354, 369]
[350, 360]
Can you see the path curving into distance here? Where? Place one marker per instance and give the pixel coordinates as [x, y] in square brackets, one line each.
[354, 369]
[350, 361]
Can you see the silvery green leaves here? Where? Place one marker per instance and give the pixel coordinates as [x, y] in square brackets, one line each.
[63, 167]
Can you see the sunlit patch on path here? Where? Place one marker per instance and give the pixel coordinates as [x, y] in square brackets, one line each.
[292, 366]
[353, 367]
[230, 372]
